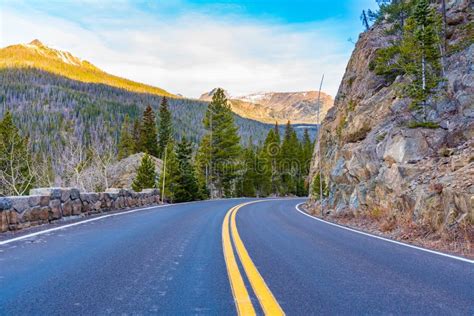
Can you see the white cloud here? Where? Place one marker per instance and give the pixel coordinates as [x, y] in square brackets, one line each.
[194, 52]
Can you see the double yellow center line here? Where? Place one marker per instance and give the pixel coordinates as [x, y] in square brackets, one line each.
[242, 299]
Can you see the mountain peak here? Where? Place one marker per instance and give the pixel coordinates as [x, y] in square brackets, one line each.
[37, 55]
[36, 42]
[208, 95]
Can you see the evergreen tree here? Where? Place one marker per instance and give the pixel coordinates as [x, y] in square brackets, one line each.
[126, 143]
[224, 143]
[165, 129]
[307, 152]
[289, 161]
[186, 188]
[136, 136]
[170, 173]
[416, 54]
[16, 171]
[247, 185]
[146, 175]
[319, 183]
[277, 133]
[269, 167]
[202, 167]
[148, 133]
[420, 50]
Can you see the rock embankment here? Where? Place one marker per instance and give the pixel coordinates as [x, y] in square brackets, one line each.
[411, 182]
[48, 205]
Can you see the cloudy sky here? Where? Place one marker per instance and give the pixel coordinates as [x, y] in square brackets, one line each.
[192, 46]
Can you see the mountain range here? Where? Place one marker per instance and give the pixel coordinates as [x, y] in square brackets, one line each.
[281, 107]
[64, 103]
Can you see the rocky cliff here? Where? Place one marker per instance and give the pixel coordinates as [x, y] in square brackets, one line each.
[405, 180]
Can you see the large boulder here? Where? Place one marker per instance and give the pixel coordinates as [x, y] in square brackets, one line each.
[122, 173]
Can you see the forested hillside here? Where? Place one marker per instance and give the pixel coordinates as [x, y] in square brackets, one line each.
[40, 56]
[57, 113]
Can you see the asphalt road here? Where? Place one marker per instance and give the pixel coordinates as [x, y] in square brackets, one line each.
[214, 258]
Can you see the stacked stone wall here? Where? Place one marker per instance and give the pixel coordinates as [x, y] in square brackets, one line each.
[47, 205]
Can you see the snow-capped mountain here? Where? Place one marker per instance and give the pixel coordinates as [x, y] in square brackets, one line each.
[270, 107]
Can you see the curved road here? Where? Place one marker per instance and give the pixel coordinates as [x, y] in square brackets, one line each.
[224, 257]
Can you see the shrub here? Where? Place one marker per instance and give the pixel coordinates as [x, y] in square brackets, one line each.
[426, 124]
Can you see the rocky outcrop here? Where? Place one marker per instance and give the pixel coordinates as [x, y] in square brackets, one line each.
[379, 167]
[122, 173]
[46, 205]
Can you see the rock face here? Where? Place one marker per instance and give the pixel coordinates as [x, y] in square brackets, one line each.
[271, 107]
[47, 205]
[377, 165]
[122, 173]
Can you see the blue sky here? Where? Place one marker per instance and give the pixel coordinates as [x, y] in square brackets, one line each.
[191, 46]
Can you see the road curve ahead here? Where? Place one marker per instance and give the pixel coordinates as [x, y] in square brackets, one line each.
[225, 257]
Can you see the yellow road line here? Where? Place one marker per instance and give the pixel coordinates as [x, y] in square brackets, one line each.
[241, 296]
[268, 302]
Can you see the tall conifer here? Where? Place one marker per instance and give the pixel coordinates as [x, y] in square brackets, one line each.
[146, 175]
[165, 129]
[126, 143]
[148, 133]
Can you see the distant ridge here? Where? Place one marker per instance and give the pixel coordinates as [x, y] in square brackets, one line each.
[37, 55]
[270, 107]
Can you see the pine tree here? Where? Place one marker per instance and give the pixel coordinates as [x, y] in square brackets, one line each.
[307, 152]
[269, 156]
[317, 185]
[165, 129]
[289, 162]
[148, 133]
[420, 50]
[277, 134]
[146, 175]
[126, 143]
[136, 136]
[16, 170]
[224, 143]
[416, 54]
[247, 185]
[170, 173]
[186, 188]
[202, 167]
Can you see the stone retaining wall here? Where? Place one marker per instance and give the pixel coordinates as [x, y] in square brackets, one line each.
[46, 205]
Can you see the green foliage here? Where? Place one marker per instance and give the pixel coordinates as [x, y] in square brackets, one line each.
[426, 124]
[170, 174]
[316, 187]
[290, 163]
[126, 145]
[415, 54]
[148, 142]
[249, 181]
[224, 143]
[16, 171]
[165, 129]
[380, 137]
[341, 125]
[186, 187]
[53, 109]
[146, 175]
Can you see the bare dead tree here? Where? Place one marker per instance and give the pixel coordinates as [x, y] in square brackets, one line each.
[16, 174]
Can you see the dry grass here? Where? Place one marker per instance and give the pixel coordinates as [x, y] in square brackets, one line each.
[428, 233]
